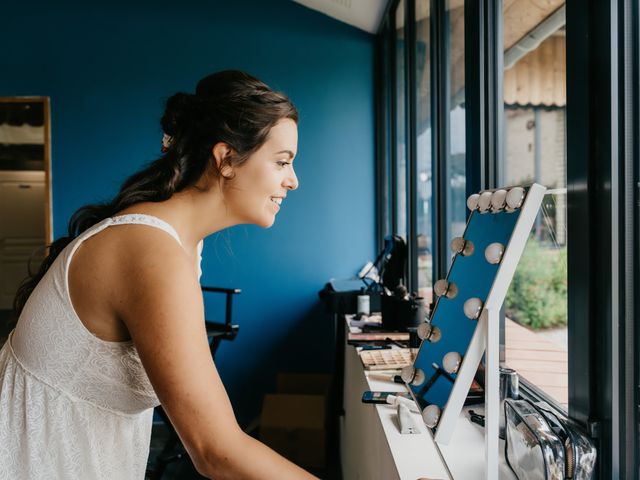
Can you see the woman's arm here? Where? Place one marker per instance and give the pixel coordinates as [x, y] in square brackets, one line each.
[160, 301]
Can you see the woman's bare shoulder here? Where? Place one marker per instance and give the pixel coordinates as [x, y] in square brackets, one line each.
[109, 265]
[121, 248]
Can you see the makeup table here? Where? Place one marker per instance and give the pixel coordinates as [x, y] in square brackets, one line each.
[372, 447]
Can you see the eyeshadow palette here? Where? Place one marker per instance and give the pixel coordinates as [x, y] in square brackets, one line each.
[388, 359]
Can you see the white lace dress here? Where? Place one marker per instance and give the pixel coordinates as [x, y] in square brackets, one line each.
[72, 406]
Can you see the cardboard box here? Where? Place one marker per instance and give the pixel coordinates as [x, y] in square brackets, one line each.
[304, 383]
[294, 420]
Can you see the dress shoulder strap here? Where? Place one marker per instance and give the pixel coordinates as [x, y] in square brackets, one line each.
[131, 218]
[144, 219]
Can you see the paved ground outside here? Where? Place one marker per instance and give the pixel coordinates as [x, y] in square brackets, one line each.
[540, 357]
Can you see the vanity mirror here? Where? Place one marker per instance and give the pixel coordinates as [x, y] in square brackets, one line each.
[464, 322]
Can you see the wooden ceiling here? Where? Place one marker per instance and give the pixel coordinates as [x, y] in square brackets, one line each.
[522, 16]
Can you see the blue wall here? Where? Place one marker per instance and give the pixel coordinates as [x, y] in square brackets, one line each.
[107, 69]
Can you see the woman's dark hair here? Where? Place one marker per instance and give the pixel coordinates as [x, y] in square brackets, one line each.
[229, 106]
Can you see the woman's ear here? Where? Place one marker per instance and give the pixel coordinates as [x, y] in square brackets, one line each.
[221, 152]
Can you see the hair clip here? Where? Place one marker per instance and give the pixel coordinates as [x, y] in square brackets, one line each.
[166, 142]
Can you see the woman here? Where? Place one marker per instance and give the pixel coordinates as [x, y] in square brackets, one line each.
[113, 323]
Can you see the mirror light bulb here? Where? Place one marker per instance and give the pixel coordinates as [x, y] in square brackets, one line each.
[412, 376]
[443, 288]
[484, 202]
[472, 201]
[451, 362]
[472, 308]
[498, 200]
[436, 335]
[515, 197]
[493, 253]
[429, 332]
[407, 373]
[424, 330]
[431, 415]
[461, 246]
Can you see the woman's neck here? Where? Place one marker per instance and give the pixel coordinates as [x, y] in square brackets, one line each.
[194, 214]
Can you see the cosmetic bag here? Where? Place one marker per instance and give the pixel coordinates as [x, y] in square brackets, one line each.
[541, 446]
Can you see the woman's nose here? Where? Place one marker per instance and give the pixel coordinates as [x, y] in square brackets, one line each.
[291, 181]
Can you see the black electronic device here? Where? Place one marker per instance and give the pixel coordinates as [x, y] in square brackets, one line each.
[393, 265]
[401, 311]
[340, 296]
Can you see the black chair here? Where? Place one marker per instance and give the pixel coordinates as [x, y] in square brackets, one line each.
[172, 451]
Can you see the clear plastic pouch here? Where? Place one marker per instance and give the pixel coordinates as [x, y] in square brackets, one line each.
[541, 446]
[580, 452]
[532, 449]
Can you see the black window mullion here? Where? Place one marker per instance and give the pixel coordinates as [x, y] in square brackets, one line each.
[411, 139]
[494, 109]
[635, 159]
[440, 135]
[474, 94]
[393, 110]
[628, 94]
[444, 236]
[483, 92]
[602, 108]
[580, 182]
[383, 141]
[382, 192]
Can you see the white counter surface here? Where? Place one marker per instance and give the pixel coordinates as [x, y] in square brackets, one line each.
[372, 446]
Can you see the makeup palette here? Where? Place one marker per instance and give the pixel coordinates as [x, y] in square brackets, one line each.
[388, 359]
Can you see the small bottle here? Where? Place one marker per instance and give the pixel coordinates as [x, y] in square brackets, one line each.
[363, 303]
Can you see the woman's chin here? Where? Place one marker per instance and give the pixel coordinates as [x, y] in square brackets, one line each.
[266, 221]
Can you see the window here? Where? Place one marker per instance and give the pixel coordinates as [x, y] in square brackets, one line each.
[400, 123]
[428, 137]
[488, 109]
[424, 132]
[534, 86]
[456, 144]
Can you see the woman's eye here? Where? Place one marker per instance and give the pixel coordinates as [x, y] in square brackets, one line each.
[282, 164]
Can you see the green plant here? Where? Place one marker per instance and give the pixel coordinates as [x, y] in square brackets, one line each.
[538, 294]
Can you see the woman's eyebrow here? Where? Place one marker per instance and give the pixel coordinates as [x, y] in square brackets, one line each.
[289, 152]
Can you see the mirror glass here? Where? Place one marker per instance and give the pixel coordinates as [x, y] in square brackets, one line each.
[446, 337]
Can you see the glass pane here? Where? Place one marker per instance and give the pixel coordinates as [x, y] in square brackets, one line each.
[535, 150]
[424, 153]
[456, 193]
[401, 133]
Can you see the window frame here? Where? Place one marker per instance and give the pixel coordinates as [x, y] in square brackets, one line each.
[603, 192]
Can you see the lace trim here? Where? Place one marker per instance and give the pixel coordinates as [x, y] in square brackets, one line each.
[70, 396]
[143, 218]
